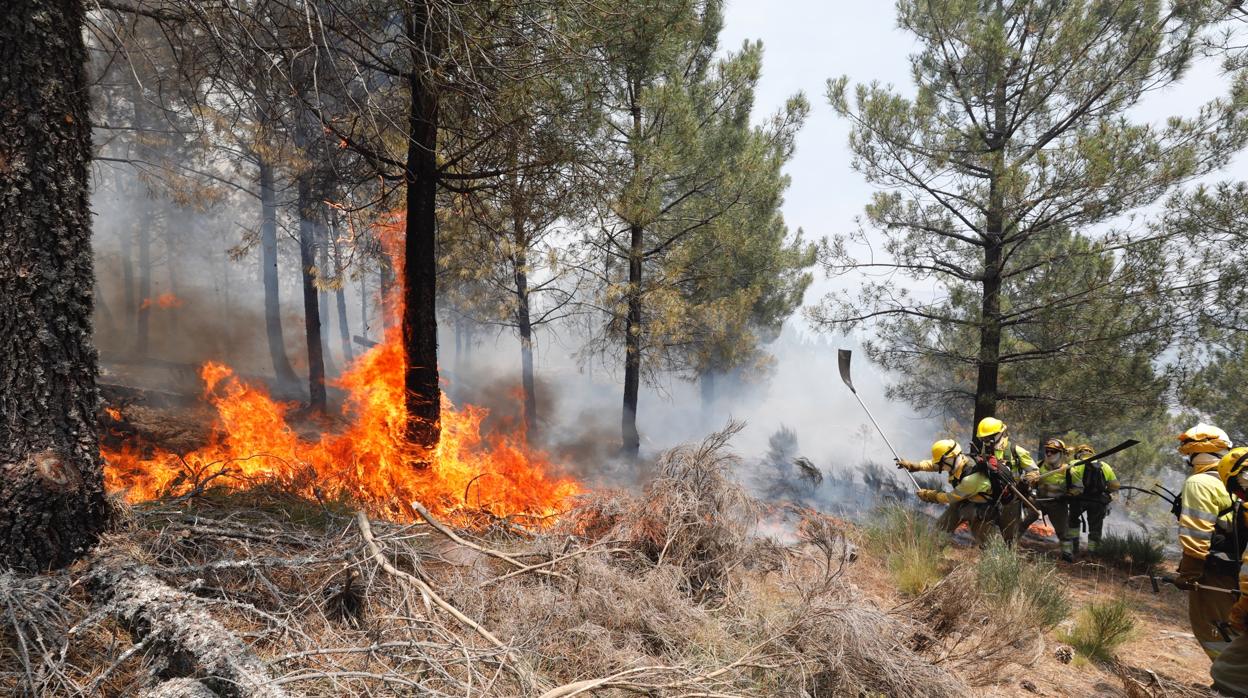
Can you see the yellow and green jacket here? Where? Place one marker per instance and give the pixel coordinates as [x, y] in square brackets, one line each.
[1111, 480]
[1020, 461]
[1203, 499]
[974, 487]
[1051, 483]
[963, 468]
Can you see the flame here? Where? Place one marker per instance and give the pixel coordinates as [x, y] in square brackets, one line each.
[368, 462]
[113, 413]
[1042, 530]
[164, 301]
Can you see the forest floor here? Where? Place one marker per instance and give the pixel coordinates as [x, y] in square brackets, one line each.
[666, 592]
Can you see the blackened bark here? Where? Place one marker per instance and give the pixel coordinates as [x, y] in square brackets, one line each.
[311, 307]
[52, 505]
[420, 325]
[340, 295]
[632, 344]
[268, 260]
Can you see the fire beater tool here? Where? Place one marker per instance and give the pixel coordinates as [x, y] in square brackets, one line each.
[844, 356]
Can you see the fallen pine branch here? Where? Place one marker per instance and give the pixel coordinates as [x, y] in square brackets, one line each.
[497, 554]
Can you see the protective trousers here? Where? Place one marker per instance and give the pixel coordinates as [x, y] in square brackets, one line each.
[969, 512]
[1058, 512]
[1096, 512]
[1207, 610]
[1230, 669]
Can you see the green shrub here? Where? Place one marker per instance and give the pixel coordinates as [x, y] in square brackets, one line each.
[1101, 628]
[1135, 550]
[1008, 578]
[911, 546]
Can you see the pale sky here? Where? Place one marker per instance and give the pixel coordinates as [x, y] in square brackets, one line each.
[805, 42]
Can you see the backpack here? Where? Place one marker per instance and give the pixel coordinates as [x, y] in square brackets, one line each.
[1095, 486]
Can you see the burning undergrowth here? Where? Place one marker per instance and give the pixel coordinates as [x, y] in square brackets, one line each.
[668, 592]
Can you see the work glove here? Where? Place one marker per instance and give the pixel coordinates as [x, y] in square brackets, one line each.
[929, 496]
[1031, 478]
[1190, 571]
[904, 464]
[1239, 616]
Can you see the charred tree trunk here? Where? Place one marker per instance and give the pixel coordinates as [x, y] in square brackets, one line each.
[311, 306]
[632, 345]
[272, 300]
[52, 505]
[340, 295]
[420, 323]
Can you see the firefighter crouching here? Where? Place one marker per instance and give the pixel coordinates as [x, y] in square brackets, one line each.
[1230, 667]
[1051, 488]
[1090, 487]
[970, 497]
[995, 442]
[1204, 502]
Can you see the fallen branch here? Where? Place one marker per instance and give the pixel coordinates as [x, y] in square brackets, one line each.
[177, 624]
[497, 554]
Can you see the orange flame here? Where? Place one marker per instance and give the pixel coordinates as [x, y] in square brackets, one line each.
[369, 462]
[164, 301]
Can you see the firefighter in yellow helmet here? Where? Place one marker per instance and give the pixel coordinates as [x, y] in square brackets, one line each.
[1090, 487]
[1051, 494]
[994, 442]
[969, 499]
[1203, 501]
[1230, 668]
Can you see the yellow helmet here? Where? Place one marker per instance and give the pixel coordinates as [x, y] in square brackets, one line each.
[1204, 438]
[1081, 449]
[944, 448]
[989, 426]
[1232, 464]
[1055, 445]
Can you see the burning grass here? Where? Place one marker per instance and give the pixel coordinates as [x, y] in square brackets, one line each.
[669, 592]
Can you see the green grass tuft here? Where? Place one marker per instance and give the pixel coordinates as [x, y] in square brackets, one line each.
[1134, 550]
[1007, 577]
[913, 548]
[1101, 628]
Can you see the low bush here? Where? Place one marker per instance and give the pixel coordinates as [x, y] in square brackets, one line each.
[911, 546]
[1136, 551]
[1100, 629]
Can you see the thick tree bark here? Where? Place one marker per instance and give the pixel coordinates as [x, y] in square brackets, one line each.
[994, 261]
[420, 323]
[52, 505]
[311, 306]
[632, 344]
[340, 295]
[272, 300]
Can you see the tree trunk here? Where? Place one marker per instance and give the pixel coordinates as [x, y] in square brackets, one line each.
[272, 300]
[322, 270]
[994, 260]
[420, 323]
[311, 306]
[524, 324]
[632, 345]
[52, 505]
[340, 295]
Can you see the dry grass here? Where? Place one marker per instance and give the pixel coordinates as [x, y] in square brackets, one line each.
[667, 593]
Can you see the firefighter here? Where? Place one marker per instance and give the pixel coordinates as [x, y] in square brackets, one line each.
[994, 442]
[969, 499]
[1204, 500]
[1090, 487]
[1051, 488]
[1230, 668]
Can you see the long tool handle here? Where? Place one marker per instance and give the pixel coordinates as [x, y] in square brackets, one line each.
[882, 436]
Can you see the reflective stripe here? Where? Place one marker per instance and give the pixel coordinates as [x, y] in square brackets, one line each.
[1209, 516]
[1193, 533]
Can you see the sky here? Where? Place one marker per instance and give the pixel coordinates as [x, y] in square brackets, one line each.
[806, 42]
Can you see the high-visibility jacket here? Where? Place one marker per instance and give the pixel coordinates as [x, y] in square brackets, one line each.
[1018, 458]
[1203, 500]
[961, 468]
[1051, 483]
[1077, 473]
[975, 488]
